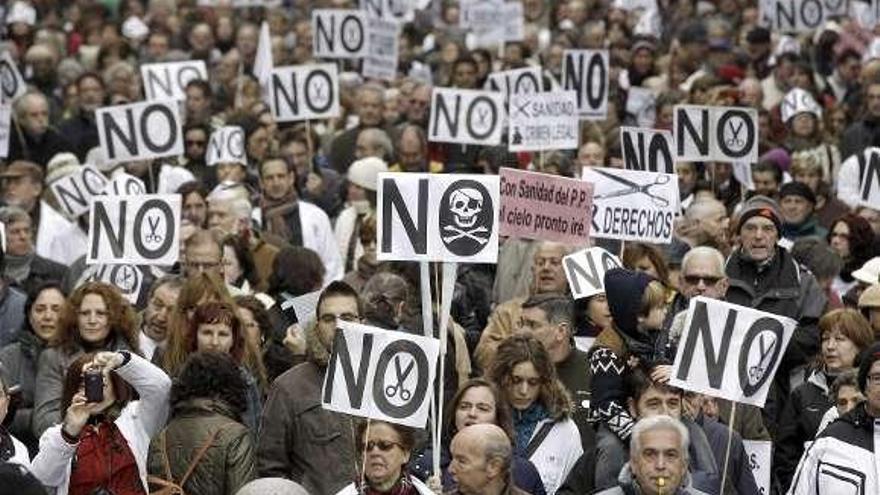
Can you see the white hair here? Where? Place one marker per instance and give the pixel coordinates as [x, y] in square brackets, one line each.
[707, 251]
[656, 423]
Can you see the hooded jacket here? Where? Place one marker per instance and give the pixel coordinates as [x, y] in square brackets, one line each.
[843, 459]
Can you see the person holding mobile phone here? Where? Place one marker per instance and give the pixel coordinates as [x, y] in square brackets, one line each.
[101, 446]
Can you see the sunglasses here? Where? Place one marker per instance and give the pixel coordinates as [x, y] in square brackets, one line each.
[384, 445]
[707, 279]
[194, 142]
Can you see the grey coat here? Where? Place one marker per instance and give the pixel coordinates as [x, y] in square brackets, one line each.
[627, 485]
[19, 361]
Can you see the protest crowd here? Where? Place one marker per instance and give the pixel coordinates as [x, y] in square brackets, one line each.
[477, 247]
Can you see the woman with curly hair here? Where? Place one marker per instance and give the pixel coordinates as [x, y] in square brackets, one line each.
[95, 318]
[215, 327]
[208, 399]
[852, 238]
[544, 431]
[239, 269]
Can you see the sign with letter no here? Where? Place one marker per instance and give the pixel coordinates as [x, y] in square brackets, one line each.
[466, 116]
[304, 92]
[631, 205]
[74, 192]
[339, 33]
[140, 131]
[167, 81]
[730, 351]
[585, 271]
[140, 230]
[719, 134]
[129, 279]
[12, 83]
[381, 374]
[429, 217]
[226, 146]
[586, 72]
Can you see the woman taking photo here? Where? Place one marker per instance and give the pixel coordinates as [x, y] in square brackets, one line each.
[385, 449]
[545, 434]
[478, 401]
[102, 444]
[844, 333]
[205, 437]
[43, 311]
[215, 327]
[95, 318]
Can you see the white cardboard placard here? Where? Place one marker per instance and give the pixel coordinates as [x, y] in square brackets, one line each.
[128, 279]
[382, 49]
[585, 271]
[140, 131]
[74, 192]
[12, 84]
[760, 456]
[124, 184]
[543, 121]
[167, 81]
[586, 72]
[730, 351]
[720, 134]
[631, 205]
[226, 145]
[140, 230]
[650, 150]
[381, 374]
[304, 92]
[338, 33]
[466, 116]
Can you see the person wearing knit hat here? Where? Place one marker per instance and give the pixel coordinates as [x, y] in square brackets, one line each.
[844, 453]
[798, 206]
[766, 277]
[637, 303]
[363, 180]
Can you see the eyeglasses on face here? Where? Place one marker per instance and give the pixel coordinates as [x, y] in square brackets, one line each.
[383, 445]
[706, 279]
[330, 318]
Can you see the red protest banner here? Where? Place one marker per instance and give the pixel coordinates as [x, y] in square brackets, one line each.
[543, 206]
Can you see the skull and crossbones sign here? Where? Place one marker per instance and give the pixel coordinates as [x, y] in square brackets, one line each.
[465, 204]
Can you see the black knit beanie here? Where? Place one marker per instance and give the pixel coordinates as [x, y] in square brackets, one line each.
[624, 290]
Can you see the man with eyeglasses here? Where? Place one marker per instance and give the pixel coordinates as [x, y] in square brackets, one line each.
[844, 457]
[203, 253]
[766, 277]
[548, 277]
[299, 439]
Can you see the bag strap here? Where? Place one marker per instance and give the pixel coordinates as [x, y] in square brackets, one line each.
[164, 442]
[201, 453]
[538, 439]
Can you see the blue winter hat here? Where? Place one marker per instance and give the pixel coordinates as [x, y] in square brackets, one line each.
[624, 290]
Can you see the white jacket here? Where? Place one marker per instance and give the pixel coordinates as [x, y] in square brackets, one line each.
[558, 453]
[343, 229]
[317, 235]
[139, 422]
[848, 181]
[420, 487]
[59, 239]
[20, 456]
[843, 459]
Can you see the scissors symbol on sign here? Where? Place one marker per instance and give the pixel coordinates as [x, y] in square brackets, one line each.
[634, 188]
[153, 236]
[393, 390]
[735, 140]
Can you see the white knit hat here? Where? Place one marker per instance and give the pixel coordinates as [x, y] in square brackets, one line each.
[365, 172]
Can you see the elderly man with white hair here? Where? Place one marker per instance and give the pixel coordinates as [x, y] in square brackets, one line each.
[32, 138]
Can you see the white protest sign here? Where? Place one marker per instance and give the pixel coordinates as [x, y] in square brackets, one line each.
[74, 192]
[141, 230]
[381, 374]
[796, 16]
[382, 49]
[647, 149]
[5, 128]
[140, 131]
[730, 351]
[721, 134]
[466, 116]
[760, 455]
[12, 84]
[124, 184]
[167, 81]
[798, 101]
[586, 71]
[543, 121]
[869, 182]
[303, 306]
[515, 81]
[129, 279]
[3, 237]
[339, 33]
[304, 92]
[394, 10]
[226, 145]
[585, 271]
[431, 217]
[632, 205]
[742, 172]
[240, 4]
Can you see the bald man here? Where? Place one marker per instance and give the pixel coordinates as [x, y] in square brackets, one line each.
[706, 223]
[481, 460]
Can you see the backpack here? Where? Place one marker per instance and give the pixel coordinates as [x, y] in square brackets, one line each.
[167, 485]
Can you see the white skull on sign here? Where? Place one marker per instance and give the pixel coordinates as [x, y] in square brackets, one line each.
[465, 204]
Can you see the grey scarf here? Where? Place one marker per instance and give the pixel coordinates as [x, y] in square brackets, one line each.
[18, 268]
